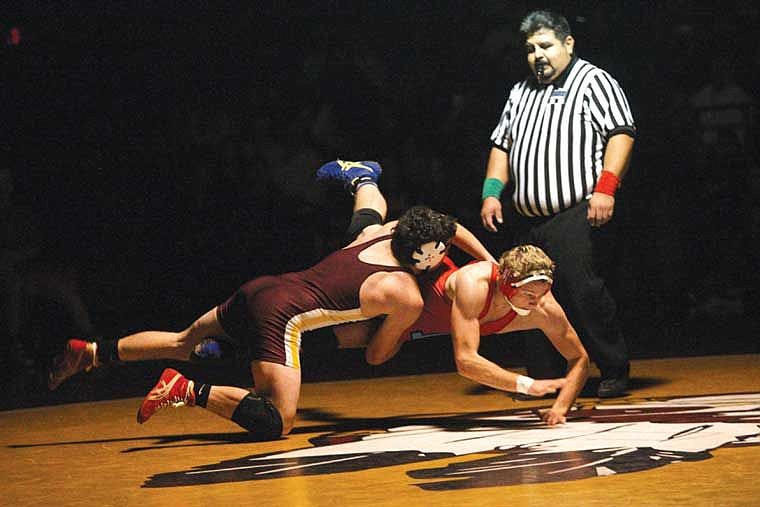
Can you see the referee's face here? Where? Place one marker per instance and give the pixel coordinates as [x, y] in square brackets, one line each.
[547, 55]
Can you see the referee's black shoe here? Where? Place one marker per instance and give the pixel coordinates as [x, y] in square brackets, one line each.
[614, 385]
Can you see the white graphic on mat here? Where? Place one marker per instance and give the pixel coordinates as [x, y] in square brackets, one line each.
[598, 441]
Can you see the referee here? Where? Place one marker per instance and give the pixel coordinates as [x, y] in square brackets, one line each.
[563, 142]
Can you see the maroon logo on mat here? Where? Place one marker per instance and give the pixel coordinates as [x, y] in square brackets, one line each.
[597, 441]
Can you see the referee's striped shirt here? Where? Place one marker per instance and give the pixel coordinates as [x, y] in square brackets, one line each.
[555, 136]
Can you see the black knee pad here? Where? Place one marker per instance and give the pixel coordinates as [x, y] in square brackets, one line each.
[257, 415]
[361, 219]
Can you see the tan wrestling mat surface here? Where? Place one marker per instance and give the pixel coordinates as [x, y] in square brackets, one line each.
[688, 433]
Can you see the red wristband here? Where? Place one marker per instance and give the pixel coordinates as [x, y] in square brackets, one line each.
[608, 183]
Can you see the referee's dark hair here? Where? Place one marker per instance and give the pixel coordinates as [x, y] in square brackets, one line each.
[539, 20]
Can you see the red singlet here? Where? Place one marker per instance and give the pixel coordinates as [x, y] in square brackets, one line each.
[436, 314]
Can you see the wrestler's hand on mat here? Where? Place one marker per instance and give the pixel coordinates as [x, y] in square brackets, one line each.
[548, 386]
[552, 416]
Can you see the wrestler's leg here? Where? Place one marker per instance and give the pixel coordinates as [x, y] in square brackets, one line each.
[267, 413]
[280, 384]
[370, 208]
[82, 355]
[147, 345]
[370, 197]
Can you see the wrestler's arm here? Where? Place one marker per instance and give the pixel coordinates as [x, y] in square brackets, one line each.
[396, 297]
[471, 292]
[557, 328]
[468, 243]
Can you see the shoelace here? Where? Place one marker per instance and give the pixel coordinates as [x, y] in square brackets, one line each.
[162, 391]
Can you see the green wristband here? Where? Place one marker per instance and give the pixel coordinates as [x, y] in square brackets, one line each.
[492, 188]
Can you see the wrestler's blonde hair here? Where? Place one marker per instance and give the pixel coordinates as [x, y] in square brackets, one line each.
[523, 261]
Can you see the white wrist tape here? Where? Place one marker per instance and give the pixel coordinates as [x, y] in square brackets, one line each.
[95, 362]
[524, 383]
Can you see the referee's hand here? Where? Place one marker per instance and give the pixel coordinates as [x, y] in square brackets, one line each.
[490, 213]
[600, 208]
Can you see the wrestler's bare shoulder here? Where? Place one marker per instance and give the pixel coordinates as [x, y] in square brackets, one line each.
[473, 273]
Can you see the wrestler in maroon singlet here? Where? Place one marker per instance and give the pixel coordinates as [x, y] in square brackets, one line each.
[270, 313]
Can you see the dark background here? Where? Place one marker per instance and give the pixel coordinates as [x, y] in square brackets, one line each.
[163, 155]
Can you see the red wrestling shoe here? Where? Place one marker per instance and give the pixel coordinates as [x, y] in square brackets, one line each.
[172, 389]
[77, 357]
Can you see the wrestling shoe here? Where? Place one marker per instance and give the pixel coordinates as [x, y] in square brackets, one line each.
[214, 351]
[172, 389]
[351, 174]
[75, 358]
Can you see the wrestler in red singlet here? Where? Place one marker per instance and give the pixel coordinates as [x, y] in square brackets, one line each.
[436, 315]
[270, 313]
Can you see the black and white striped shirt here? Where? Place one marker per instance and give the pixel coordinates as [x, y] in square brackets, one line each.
[555, 136]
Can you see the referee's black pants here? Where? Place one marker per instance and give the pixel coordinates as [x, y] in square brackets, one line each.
[584, 255]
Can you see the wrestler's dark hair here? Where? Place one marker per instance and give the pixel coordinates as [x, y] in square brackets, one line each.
[417, 226]
[539, 20]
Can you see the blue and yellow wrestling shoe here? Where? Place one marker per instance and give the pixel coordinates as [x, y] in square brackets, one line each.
[352, 174]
